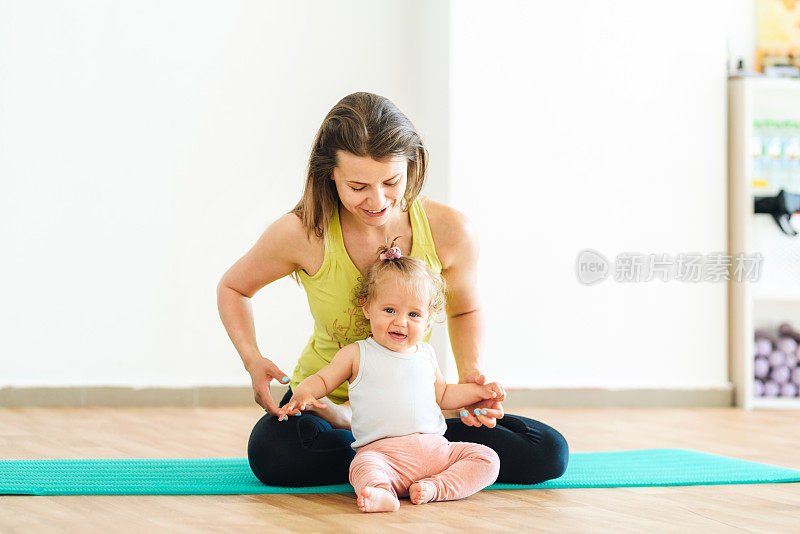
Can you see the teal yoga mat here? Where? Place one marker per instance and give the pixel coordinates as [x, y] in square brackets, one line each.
[230, 476]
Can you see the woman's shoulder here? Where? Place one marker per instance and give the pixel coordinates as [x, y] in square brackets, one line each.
[294, 231]
[307, 249]
[451, 229]
[280, 250]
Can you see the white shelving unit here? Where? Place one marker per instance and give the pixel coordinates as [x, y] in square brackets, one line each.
[775, 297]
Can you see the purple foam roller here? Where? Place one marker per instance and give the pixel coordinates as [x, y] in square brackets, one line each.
[763, 333]
[796, 376]
[787, 345]
[762, 347]
[780, 374]
[760, 368]
[771, 389]
[785, 329]
[788, 390]
[791, 361]
[758, 388]
[776, 358]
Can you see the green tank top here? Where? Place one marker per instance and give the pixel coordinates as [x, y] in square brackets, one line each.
[337, 321]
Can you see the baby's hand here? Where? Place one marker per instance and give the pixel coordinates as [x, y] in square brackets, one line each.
[494, 391]
[297, 403]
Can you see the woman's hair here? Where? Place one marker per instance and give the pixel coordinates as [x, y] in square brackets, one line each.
[363, 124]
[415, 275]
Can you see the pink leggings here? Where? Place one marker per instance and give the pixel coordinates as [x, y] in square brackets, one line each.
[456, 469]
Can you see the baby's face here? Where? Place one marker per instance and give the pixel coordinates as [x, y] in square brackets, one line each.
[398, 318]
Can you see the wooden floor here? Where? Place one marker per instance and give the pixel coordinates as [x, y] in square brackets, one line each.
[765, 436]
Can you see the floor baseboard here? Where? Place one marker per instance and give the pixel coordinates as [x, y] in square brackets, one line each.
[243, 396]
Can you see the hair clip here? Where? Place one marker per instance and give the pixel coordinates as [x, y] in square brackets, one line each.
[391, 254]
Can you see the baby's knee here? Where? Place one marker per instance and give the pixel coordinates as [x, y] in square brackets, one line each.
[367, 458]
[491, 457]
[366, 464]
[486, 455]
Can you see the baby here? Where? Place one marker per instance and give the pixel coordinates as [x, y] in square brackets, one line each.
[397, 394]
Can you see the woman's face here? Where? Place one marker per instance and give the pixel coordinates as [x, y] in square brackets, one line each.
[370, 190]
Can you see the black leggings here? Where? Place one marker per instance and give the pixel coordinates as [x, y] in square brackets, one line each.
[308, 451]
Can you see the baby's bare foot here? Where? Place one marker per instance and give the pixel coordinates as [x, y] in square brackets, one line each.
[421, 492]
[377, 500]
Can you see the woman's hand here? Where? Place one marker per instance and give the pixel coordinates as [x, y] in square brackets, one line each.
[262, 372]
[487, 411]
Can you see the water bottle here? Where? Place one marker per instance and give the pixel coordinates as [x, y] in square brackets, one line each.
[760, 182]
[791, 156]
[774, 155]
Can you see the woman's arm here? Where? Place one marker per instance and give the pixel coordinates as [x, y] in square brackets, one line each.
[457, 238]
[276, 254]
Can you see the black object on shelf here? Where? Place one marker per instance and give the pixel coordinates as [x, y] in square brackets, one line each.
[781, 207]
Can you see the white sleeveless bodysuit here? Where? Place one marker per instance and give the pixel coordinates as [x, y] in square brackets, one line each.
[393, 394]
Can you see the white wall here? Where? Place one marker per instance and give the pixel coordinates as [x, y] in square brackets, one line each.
[144, 146]
[739, 19]
[598, 126]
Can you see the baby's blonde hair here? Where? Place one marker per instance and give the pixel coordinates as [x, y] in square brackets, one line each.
[414, 273]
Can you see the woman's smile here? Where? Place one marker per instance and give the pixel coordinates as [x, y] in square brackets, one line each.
[380, 213]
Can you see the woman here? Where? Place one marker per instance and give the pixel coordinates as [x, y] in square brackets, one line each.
[367, 167]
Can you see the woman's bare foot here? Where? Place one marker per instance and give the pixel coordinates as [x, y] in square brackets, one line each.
[421, 492]
[377, 500]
